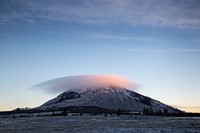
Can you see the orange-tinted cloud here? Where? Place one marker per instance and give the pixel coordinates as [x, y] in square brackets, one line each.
[60, 85]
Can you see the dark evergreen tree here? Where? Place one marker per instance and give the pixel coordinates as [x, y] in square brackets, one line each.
[150, 111]
[119, 112]
[53, 114]
[65, 112]
[165, 112]
[81, 114]
[144, 111]
[156, 112]
[160, 112]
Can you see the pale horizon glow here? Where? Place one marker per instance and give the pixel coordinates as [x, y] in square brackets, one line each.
[188, 108]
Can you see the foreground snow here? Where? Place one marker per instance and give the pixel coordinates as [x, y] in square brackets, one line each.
[95, 124]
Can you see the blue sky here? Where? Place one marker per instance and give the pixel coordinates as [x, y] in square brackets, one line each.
[156, 44]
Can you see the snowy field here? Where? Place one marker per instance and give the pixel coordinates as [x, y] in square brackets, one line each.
[95, 124]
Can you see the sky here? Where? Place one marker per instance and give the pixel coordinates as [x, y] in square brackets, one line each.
[155, 44]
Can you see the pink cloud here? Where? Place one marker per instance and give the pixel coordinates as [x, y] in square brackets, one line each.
[63, 84]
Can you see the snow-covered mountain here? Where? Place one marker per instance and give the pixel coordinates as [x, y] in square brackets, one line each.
[107, 97]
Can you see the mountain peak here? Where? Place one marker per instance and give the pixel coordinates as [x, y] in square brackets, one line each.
[110, 97]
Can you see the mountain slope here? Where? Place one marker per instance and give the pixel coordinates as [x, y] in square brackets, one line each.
[107, 97]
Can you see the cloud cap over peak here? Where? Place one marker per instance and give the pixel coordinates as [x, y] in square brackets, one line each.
[63, 84]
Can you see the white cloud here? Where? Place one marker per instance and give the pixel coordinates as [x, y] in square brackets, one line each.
[154, 50]
[168, 13]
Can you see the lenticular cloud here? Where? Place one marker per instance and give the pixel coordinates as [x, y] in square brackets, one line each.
[63, 84]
